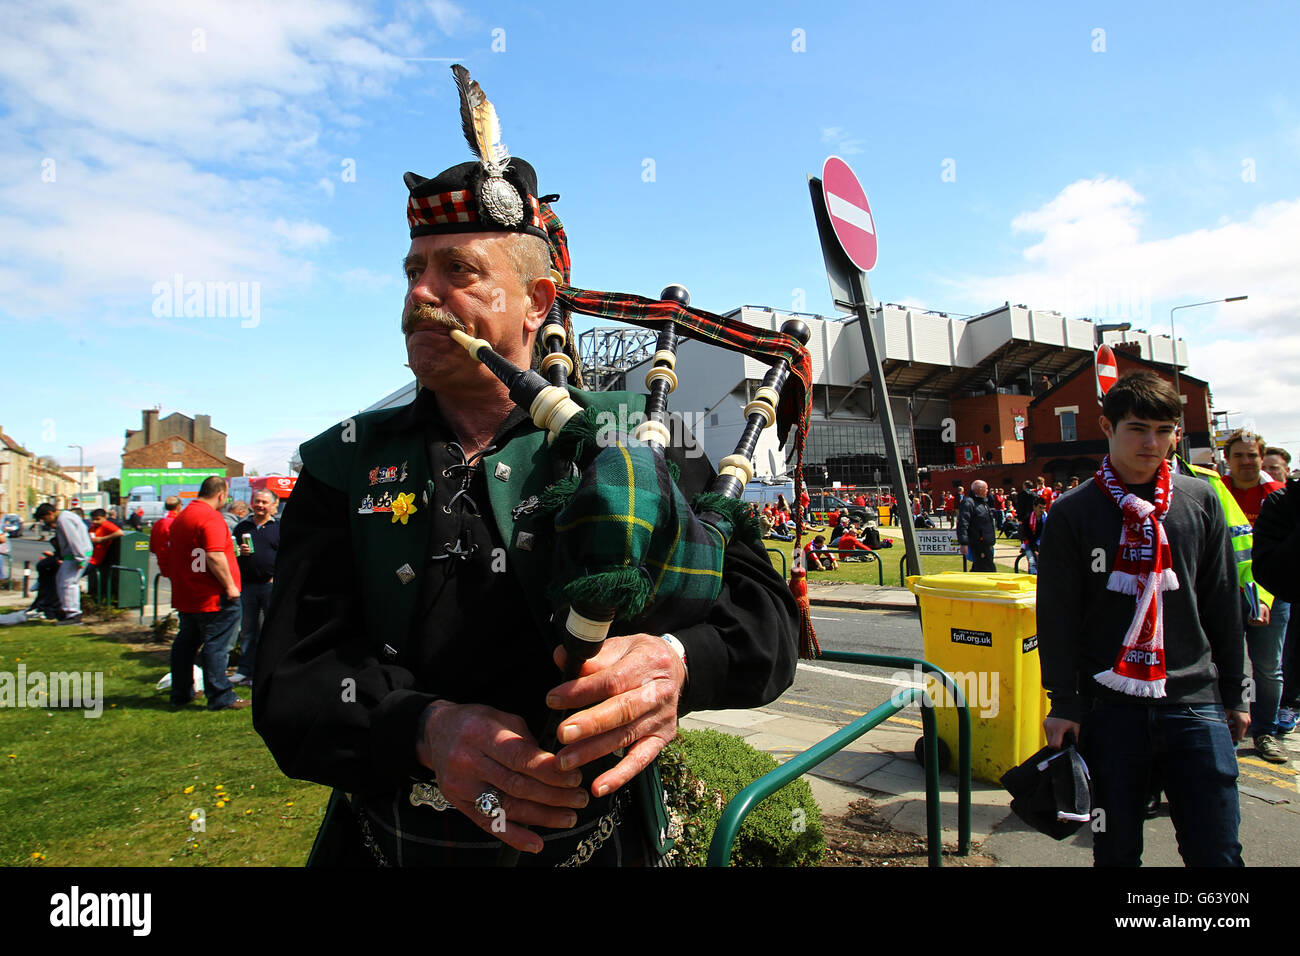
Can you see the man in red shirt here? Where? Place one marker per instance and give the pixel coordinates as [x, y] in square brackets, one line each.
[1246, 480]
[1265, 635]
[1045, 492]
[160, 535]
[104, 536]
[205, 590]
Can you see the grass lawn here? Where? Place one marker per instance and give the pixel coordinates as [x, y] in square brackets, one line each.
[120, 789]
[864, 572]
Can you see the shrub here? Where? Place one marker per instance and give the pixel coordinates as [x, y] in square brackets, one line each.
[704, 769]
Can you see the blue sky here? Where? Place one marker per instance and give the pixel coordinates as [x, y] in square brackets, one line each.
[1107, 160]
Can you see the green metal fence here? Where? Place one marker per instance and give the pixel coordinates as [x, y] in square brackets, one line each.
[768, 784]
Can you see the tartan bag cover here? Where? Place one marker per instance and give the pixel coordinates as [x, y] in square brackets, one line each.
[627, 536]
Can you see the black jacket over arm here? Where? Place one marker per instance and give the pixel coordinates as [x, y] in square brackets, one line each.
[1275, 548]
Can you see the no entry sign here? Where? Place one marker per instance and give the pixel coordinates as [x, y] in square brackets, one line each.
[1107, 372]
[850, 213]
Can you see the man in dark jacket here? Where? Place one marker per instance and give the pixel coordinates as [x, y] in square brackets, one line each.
[1276, 565]
[409, 659]
[1143, 685]
[976, 531]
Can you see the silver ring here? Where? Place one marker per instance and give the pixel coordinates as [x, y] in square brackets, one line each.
[488, 803]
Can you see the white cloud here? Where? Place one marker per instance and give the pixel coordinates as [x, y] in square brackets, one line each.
[177, 136]
[1092, 260]
[301, 234]
[269, 456]
[369, 280]
[841, 143]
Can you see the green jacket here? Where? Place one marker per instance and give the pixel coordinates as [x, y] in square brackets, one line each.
[344, 456]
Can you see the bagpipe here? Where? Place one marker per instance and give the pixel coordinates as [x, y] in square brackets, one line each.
[629, 549]
[627, 542]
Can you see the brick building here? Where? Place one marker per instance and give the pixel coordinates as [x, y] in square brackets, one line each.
[15, 477]
[1062, 433]
[27, 480]
[174, 454]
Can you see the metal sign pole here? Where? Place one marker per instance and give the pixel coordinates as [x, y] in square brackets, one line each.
[862, 306]
[851, 292]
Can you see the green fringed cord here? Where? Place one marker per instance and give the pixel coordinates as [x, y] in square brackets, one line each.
[746, 524]
[674, 471]
[557, 495]
[627, 589]
[578, 437]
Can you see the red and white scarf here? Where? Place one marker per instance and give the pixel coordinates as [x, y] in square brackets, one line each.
[1143, 567]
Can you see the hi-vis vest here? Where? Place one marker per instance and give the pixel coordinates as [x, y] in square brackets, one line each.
[1239, 531]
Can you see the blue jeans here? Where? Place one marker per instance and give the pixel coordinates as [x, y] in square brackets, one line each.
[256, 599]
[1265, 647]
[1031, 557]
[208, 634]
[1291, 666]
[1190, 747]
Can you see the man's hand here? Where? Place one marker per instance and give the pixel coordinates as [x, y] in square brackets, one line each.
[1262, 620]
[630, 690]
[1057, 729]
[472, 748]
[1238, 723]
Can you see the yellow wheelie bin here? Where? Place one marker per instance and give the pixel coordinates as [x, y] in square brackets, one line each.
[980, 627]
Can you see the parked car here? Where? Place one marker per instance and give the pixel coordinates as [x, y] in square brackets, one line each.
[822, 504]
[12, 526]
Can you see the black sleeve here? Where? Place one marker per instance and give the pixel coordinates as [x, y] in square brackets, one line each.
[744, 653]
[1062, 569]
[963, 522]
[1275, 547]
[327, 708]
[1218, 603]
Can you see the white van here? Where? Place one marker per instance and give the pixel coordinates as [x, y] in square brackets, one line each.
[762, 491]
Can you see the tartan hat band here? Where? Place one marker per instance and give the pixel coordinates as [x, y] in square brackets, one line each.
[468, 198]
[457, 211]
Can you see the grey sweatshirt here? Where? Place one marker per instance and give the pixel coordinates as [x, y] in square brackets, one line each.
[72, 538]
[1081, 624]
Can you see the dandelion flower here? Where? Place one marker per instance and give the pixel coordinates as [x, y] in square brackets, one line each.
[189, 789]
[220, 804]
[289, 803]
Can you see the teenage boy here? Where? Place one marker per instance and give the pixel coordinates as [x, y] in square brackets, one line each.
[1139, 629]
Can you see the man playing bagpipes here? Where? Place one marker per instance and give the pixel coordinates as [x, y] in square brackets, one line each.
[410, 654]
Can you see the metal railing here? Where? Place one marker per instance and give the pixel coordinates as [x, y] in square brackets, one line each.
[781, 554]
[102, 581]
[762, 788]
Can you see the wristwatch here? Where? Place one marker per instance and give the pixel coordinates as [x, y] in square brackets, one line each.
[680, 649]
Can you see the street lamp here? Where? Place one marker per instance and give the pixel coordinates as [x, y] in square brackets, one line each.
[1182, 436]
[81, 469]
